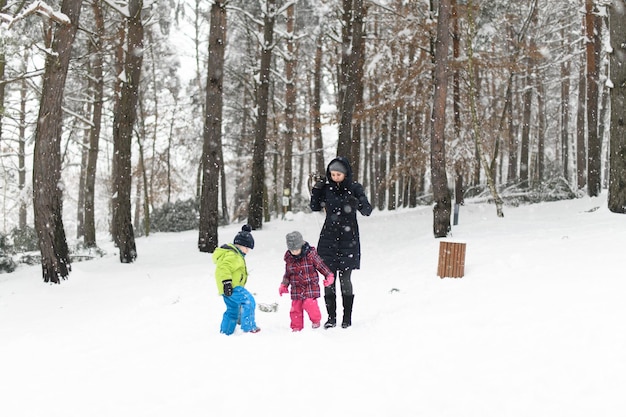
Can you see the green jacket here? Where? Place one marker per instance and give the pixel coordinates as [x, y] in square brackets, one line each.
[229, 264]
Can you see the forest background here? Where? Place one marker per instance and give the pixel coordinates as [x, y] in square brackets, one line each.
[107, 104]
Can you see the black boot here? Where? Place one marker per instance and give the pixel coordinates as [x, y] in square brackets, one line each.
[348, 300]
[331, 308]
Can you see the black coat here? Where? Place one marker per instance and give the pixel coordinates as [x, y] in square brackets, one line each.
[339, 244]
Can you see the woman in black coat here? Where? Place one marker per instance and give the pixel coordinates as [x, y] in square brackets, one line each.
[339, 244]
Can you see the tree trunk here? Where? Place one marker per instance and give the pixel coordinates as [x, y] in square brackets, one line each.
[525, 142]
[290, 107]
[456, 77]
[47, 195]
[211, 161]
[320, 167]
[513, 140]
[142, 178]
[439, 178]
[123, 122]
[21, 156]
[581, 147]
[2, 71]
[84, 152]
[346, 42]
[392, 181]
[489, 171]
[617, 157]
[351, 56]
[255, 209]
[381, 156]
[541, 131]
[593, 141]
[565, 93]
[97, 83]
[359, 88]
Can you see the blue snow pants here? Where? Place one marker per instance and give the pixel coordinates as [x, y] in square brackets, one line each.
[243, 301]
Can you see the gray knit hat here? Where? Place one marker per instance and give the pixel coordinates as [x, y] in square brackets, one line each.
[337, 166]
[294, 240]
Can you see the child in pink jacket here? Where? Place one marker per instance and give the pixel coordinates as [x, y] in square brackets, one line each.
[302, 264]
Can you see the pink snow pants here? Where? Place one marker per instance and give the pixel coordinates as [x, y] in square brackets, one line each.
[297, 316]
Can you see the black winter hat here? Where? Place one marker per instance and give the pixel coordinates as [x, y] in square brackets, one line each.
[244, 238]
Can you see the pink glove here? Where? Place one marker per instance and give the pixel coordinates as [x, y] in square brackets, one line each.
[282, 289]
[329, 280]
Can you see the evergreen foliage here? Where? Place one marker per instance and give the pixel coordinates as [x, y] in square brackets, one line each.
[24, 240]
[175, 217]
[6, 262]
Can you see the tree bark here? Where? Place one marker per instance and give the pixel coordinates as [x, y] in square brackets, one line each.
[617, 157]
[593, 141]
[565, 112]
[541, 131]
[94, 133]
[525, 142]
[2, 71]
[381, 157]
[351, 50]
[21, 156]
[581, 148]
[255, 209]
[47, 192]
[393, 145]
[290, 105]
[211, 153]
[123, 122]
[439, 178]
[320, 167]
[489, 171]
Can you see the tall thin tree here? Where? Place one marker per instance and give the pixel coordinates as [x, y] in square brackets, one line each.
[123, 123]
[255, 208]
[351, 50]
[581, 147]
[594, 144]
[617, 157]
[2, 71]
[489, 172]
[97, 83]
[211, 153]
[439, 178]
[47, 196]
[316, 104]
[290, 99]
[565, 110]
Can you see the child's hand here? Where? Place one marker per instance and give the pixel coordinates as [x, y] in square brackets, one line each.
[282, 290]
[228, 288]
[329, 280]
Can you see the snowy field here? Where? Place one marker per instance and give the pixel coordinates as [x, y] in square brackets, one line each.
[536, 327]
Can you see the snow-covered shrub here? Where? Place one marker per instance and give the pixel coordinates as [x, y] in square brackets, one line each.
[175, 217]
[24, 240]
[79, 252]
[6, 262]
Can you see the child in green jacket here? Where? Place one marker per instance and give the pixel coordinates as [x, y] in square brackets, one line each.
[231, 276]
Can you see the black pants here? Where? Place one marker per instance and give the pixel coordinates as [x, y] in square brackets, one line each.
[344, 280]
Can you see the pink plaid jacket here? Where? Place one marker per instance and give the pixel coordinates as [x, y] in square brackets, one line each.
[301, 273]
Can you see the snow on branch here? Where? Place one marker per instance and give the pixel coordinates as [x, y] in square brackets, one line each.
[40, 8]
[123, 10]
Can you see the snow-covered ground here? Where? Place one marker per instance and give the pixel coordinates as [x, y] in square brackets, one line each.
[537, 327]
